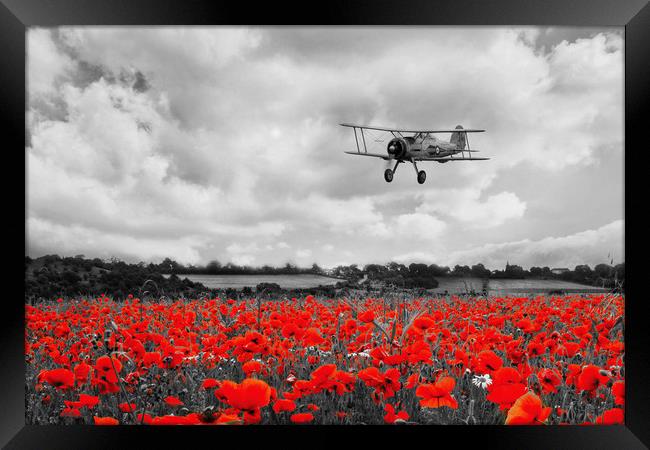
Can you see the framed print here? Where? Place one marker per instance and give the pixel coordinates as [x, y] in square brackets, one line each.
[362, 220]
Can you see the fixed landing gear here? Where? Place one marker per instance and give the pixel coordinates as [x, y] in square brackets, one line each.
[388, 173]
[421, 174]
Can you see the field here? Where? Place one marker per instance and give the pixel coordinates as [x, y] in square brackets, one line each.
[296, 281]
[452, 285]
[502, 360]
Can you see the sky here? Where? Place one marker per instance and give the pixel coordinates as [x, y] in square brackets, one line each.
[223, 143]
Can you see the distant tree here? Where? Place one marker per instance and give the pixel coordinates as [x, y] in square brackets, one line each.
[582, 273]
[352, 272]
[438, 271]
[479, 270]
[603, 270]
[619, 270]
[419, 270]
[514, 271]
[169, 266]
[397, 269]
[460, 271]
[375, 271]
[71, 278]
[213, 267]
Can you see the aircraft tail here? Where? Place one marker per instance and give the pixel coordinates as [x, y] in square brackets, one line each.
[459, 138]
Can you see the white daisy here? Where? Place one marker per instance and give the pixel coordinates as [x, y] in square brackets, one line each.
[482, 381]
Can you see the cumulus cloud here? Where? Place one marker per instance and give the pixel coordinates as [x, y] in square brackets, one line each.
[465, 206]
[77, 239]
[586, 247]
[222, 142]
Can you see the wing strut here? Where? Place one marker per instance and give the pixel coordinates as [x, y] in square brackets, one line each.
[364, 141]
[356, 139]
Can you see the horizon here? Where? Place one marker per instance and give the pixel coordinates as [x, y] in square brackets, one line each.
[223, 144]
[307, 266]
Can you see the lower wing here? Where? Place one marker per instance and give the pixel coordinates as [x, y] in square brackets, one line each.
[375, 155]
[446, 158]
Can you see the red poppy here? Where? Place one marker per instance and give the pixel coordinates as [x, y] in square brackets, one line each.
[549, 379]
[250, 395]
[591, 378]
[324, 372]
[618, 389]
[302, 417]
[127, 407]
[252, 417]
[391, 417]
[506, 387]
[81, 372]
[367, 316]
[70, 411]
[170, 420]
[384, 383]
[151, 358]
[144, 418]
[59, 378]
[614, 416]
[251, 367]
[412, 380]
[488, 362]
[210, 383]
[437, 394]
[423, 323]
[527, 410]
[89, 401]
[282, 405]
[107, 369]
[105, 421]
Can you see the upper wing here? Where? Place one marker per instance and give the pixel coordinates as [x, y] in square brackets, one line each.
[446, 158]
[399, 130]
[376, 155]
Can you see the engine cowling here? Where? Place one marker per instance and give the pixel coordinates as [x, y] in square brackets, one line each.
[397, 148]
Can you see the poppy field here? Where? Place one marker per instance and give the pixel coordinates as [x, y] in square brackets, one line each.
[450, 360]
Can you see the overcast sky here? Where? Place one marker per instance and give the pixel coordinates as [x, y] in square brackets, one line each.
[223, 143]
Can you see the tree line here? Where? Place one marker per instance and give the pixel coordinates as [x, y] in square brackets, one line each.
[603, 275]
[53, 275]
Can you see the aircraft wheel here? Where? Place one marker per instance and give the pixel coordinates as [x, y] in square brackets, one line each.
[422, 176]
[388, 175]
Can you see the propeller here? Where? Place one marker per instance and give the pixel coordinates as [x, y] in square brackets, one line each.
[395, 150]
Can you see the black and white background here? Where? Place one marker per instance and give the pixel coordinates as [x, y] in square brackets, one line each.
[204, 143]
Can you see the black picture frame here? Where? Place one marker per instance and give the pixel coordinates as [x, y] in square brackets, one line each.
[634, 15]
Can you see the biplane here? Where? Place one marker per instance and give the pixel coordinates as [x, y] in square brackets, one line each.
[415, 146]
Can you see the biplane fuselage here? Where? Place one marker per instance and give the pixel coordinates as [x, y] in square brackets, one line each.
[422, 145]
